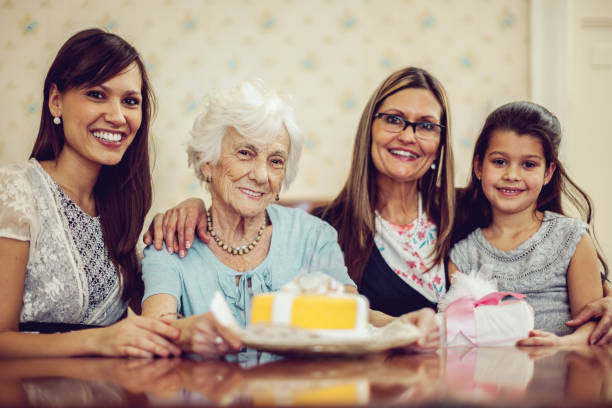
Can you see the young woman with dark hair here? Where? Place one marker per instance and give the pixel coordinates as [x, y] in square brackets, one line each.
[71, 216]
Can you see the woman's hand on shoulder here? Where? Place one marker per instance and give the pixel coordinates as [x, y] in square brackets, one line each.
[135, 336]
[425, 320]
[205, 336]
[177, 227]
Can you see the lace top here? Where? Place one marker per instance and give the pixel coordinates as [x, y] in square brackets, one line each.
[537, 268]
[69, 275]
[89, 241]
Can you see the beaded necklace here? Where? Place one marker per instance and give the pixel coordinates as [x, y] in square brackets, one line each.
[241, 250]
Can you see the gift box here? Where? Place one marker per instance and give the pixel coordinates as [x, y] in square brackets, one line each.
[496, 319]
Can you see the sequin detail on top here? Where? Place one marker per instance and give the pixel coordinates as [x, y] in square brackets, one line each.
[408, 249]
[89, 241]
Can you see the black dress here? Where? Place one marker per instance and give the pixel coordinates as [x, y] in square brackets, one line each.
[386, 291]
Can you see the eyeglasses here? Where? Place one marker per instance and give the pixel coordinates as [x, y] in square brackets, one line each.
[396, 124]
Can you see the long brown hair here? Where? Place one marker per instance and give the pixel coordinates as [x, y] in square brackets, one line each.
[524, 118]
[122, 192]
[352, 212]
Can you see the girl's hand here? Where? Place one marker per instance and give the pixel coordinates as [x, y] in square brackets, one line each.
[135, 336]
[425, 320]
[205, 336]
[177, 227]
[542, 338]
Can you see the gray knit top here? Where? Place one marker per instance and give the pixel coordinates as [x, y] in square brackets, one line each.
[537, 268]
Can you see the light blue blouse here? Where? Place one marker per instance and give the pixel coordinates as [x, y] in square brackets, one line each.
[301, 243]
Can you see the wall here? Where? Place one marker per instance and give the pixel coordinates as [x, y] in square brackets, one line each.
[330, 55]
[571, 73]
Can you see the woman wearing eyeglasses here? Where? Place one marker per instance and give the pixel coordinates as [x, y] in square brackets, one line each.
[395, 212]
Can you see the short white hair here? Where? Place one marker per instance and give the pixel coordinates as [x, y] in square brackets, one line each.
[255, 112]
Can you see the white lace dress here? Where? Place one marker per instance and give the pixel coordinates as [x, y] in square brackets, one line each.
[70, 277]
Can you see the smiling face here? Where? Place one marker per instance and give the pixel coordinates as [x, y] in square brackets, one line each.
[249, 173]
[100, 122]
[513, 172]
[401, 157]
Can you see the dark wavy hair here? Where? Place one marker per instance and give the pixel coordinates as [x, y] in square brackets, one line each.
[122, 192]
[352, 211]
[524, 118]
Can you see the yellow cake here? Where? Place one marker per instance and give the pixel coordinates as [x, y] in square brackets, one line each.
[331, 314]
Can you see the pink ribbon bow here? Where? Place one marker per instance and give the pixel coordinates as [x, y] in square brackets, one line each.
[460, 318]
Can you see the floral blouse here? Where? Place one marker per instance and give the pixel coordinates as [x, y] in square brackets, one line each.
[408, 249]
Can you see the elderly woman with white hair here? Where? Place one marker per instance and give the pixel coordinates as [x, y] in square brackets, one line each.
[245, 147]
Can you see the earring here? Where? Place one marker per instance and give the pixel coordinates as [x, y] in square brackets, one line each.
[208, 179]
[433, 166]
[277, 197]
[57, 120]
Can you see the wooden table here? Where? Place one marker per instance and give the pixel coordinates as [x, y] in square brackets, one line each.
[450, 377]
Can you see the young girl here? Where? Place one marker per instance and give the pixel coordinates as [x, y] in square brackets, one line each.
[510, 216]
[70, 217]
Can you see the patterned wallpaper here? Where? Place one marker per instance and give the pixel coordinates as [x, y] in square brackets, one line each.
[328, 54]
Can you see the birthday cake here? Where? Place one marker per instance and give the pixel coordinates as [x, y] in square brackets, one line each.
[315, 303]
[313, 315]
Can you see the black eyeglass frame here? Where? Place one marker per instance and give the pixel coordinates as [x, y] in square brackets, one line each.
[407, 122]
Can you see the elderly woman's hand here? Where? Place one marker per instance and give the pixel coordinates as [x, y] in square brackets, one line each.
[205, 336]
[177, 227]
[425, 320]
[600, 309]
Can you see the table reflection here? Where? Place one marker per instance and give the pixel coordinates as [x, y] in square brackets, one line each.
[486, 376]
